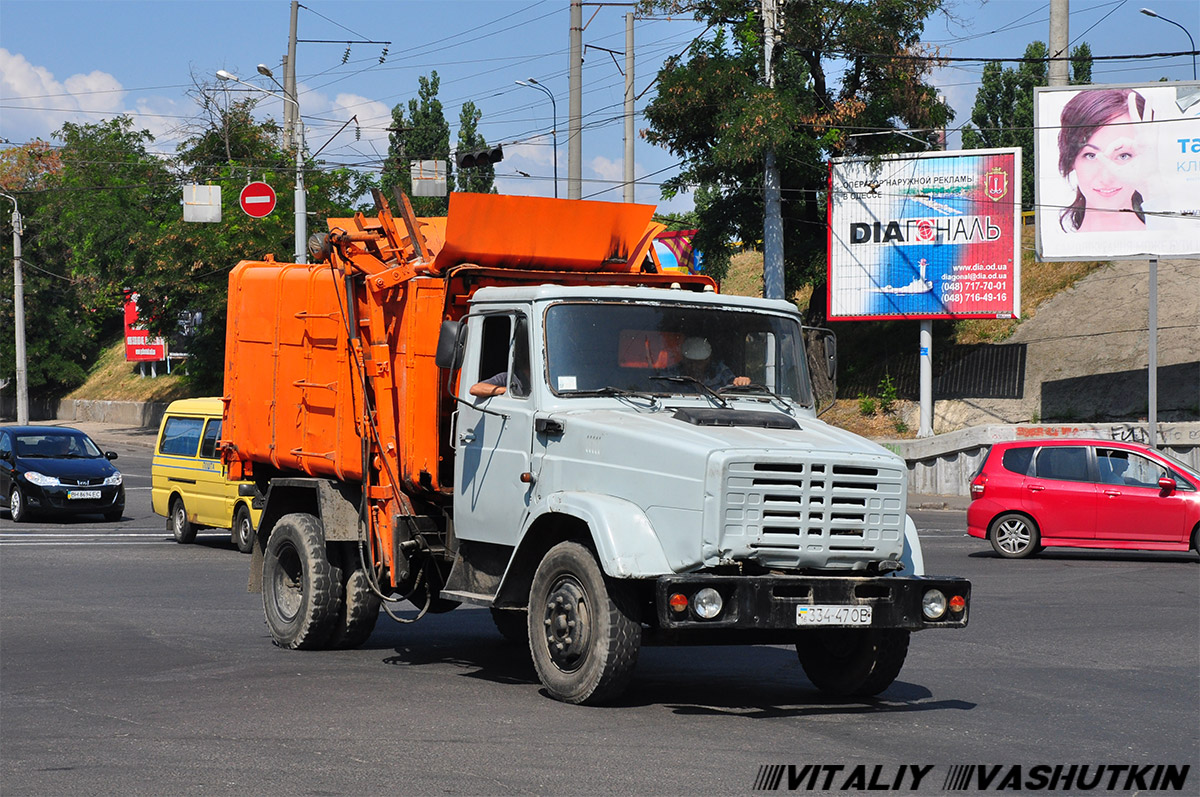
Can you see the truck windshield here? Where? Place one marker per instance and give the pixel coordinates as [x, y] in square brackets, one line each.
[666, 349]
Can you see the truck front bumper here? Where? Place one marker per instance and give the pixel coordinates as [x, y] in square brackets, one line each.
[776, 607]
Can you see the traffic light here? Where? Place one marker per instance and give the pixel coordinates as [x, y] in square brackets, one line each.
[479, 157]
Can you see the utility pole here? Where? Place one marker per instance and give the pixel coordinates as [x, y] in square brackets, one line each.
[629, 108]
[19, 316]
[772, 217]
[1059, 42]
[575, 105]
[291, 113]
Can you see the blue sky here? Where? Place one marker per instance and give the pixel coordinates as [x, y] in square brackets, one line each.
[64, 60]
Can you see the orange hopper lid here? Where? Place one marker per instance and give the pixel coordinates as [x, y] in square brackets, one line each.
[540, 233]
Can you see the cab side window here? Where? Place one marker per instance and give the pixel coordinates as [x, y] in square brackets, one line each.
[518, 380]
[493, 353]
[208, 444]
[504, 354]
[181, 436]
[1065, 463]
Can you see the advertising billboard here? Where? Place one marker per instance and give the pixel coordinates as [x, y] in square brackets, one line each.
[929, 235]
[139, 345]
[1117, 171]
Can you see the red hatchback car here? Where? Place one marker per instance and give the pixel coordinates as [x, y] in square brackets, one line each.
[1083, 494]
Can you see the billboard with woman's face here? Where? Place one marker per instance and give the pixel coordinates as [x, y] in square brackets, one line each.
[1118, 171]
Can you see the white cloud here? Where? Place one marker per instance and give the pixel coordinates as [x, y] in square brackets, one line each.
[45, 103]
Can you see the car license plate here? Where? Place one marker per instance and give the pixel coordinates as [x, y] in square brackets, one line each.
[74, 494]
[833, 615]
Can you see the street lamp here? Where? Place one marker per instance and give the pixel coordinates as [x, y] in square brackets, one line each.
[533, 84]
[301, 224]
[1191, 41]
[19, 316]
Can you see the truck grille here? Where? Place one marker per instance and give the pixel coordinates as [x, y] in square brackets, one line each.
[812, 514]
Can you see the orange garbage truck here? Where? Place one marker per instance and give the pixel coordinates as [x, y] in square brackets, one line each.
[514, 407]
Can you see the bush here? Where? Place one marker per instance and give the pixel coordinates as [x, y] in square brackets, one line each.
[866, 404]
[887, 393]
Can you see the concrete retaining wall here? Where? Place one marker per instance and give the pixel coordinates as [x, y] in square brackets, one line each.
[139, 414]
[944, 464]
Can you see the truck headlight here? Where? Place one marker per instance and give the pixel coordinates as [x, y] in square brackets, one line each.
[933, 604]
[707, 603]
[41, 479]
[113, 480]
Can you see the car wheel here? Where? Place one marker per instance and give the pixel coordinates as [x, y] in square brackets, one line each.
[584, 631]
[16, 505]
[178, 524]
[301, 593]
[243, 529]
[852, 662]
[1014, 536]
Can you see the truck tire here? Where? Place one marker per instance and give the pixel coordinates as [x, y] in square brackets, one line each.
[243, 529]
[300, 593]
[512, 624]
[182, 529]
[357, 612]
[584, 630]
[1014, 536]
[852, 662]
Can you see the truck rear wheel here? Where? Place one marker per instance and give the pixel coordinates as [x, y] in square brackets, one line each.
[584, 630]
[357, 612]
[852, 662]
[300, 593]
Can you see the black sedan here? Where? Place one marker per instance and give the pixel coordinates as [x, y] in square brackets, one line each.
[56, 470]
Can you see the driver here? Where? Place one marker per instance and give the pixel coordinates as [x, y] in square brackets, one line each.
[698, 363]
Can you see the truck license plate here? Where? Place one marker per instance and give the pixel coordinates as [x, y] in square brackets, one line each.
[833, 615]
[73, 494]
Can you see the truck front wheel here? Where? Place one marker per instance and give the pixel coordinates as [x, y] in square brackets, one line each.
[301, 597]
[852, 662]
[584, 630]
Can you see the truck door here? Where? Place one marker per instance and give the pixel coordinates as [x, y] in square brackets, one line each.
[494, 435]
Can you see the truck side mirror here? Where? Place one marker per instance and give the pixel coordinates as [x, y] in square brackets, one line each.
[831, 357]
[450, 345]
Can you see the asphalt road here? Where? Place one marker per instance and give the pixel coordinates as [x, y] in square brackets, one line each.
[132, 665]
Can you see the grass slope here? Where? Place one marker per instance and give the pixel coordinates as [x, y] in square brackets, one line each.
[111, 378]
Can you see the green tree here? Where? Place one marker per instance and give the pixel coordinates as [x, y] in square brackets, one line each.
[1003, 112]
[88, 208]
[422, 135]
[188, 271]
[841, 67]
[480, 179]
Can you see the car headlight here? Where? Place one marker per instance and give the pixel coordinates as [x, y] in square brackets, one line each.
[113, 480]
[41, 479]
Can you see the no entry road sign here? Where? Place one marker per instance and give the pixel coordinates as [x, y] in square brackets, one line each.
[257, 199]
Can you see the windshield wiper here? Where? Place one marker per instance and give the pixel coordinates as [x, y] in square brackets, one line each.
[691, 380]
[622, 392]
[755, 387]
